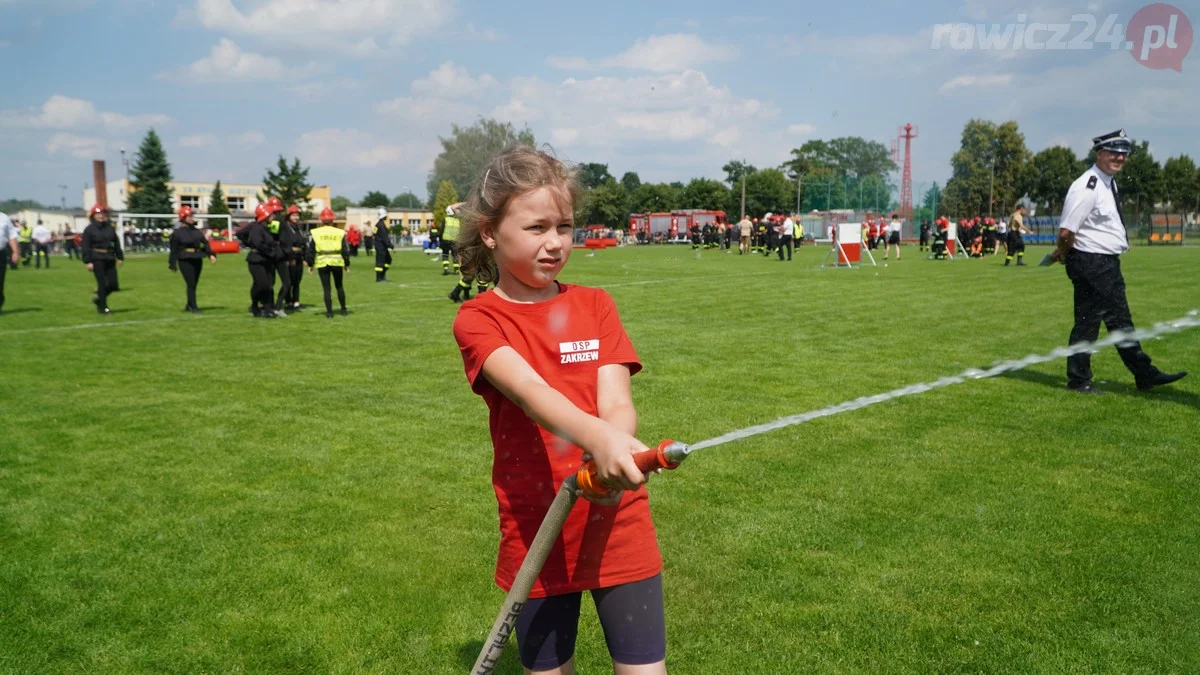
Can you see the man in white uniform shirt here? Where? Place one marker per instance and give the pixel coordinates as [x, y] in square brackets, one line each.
[1090, 243]
[42, 238]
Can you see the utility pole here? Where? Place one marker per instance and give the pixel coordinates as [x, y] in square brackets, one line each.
[799, 180]
[64, 196]
[992, 188]
[743, 188]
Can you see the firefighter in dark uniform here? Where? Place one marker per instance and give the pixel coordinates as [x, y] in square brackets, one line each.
[940, 237]
[292, 243]
[103, 255]
[329, 254]
[383, 247]
[1090, 242]
[924, 235]
[450, 229]
[264, 253]
[989, 236]
[760, 229]
[695, 235]
[188, 249]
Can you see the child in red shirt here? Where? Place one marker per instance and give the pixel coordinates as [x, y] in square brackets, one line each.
[553, 363]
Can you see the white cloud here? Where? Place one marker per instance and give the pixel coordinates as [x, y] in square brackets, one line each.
[80, 147]
[968, 81]
[227, 62]
[658, 54]
[201, 141]
[608, 111]
[451, 81]
[352, 148]
[198, 141]
[801, 129]
[355, 27]
[64, 112]
[438, 98]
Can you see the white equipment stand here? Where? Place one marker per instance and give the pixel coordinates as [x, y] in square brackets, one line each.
[848, 248]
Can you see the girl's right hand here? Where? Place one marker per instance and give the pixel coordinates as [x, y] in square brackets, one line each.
[612, 454]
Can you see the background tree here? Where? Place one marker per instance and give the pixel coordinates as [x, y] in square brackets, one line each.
[340, 203]
[823, 189]
[986, 147]
[290, 183]
[630, 181]
[1051, 173]
[468, 149]
[216, 201]
[607, 205]
[734, 170]
[1179, 183]
[706, 193]
[374, 199]
[148, 189]
[14, 205]
[407, 200]
[768, 190]
[653, 198]
[446, 195]
[593, 175]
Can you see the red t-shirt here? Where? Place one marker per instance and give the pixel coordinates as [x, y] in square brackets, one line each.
[565, 339]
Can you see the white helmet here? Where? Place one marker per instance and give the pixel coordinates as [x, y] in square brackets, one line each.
[450, 210]
[381, 213]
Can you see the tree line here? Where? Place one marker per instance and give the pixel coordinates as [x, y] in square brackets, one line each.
[993, 171]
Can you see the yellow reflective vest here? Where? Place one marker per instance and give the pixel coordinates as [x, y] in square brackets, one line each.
[327, 246]
[450, 229]
[25, 234]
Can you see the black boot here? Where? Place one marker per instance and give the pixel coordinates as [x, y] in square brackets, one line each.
[456, 294]
[1159, 378]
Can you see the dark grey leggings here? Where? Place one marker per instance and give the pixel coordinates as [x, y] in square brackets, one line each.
[630, 614]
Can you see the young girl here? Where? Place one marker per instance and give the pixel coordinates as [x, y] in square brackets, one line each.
[553, 363]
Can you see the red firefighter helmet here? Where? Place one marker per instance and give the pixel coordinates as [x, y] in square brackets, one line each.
[326, 215]
[185, 211]
[262, 211]
[274, 204]
[97, 209]
[293, 209]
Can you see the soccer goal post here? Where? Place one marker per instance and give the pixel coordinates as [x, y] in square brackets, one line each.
[123, 218]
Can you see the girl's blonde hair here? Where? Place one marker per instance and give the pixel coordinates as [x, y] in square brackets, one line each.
[510, 174]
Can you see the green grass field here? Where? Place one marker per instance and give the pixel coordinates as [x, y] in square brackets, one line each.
[224, 494]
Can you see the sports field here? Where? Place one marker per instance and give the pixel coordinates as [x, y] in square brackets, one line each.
[227, 494]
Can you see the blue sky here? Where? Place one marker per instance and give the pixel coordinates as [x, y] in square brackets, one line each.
[360, 90]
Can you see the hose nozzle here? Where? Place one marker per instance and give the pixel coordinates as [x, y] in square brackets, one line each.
[667, 455]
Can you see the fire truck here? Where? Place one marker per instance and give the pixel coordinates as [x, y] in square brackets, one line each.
[671, 227]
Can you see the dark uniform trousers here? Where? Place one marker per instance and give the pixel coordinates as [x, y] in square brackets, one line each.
[261, 284]
[105, 272]
[190, 269]
[41, 250]
[786, 243]
[1100, 296]
[335, 273]
[297, 272]
[383, 260]
[283, 267]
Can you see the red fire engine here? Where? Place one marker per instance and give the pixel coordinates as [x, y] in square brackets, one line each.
[671, 226]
